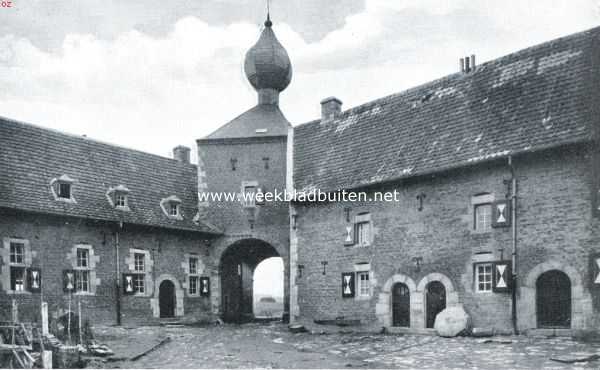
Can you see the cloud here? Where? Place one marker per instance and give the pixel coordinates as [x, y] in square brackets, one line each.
[155, 92]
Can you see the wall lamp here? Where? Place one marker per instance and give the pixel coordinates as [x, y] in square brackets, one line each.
[324, 263]
[417, 261]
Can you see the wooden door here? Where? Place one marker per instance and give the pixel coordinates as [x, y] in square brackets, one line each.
[553, 298]
[400, 305]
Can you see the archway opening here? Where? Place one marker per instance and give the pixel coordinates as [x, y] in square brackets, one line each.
[237, 267]
[166, 299]
[435, 298]
[553, 300]
[400, 305]
[268, 289]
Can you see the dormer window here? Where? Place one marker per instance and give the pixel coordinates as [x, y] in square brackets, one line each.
[118, 197]
[174, 209]
[62, 189]
[171, 207]
[121, 200]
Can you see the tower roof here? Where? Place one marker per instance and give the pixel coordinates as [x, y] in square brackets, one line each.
[267, 63]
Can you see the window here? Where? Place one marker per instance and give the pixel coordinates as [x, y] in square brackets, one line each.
[17, 251]
[233, 163]
[364, 288]
[138, 283]
[174, 209]
[363, 233]
[483, 217]
[249, 193]
[82, 270]
[138, 262]
[362, 229]
[64, 190]
[17, 267]
[121, 200]
[193, 277]
[483, 277]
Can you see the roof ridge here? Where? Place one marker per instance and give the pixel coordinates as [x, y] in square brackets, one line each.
[408, 91]
[88, 139]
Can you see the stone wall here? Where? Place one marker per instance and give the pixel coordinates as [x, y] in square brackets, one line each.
[555, 230]
[52, 239]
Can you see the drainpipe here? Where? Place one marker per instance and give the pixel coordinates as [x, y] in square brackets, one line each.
[513, 210]
[117, 273]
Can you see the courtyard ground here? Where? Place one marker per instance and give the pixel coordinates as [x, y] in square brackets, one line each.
[271, 345]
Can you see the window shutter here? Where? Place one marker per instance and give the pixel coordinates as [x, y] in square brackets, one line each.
[349, 237]
[501, 213]
[128, 284]
[69, 281]
[502, 276]
[34, 280]
[205, 286]
[348, 285]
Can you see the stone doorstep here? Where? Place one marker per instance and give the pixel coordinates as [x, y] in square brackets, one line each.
[405, 330]
[549, 333]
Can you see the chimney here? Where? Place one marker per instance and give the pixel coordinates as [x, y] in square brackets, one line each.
[467, 64]
[182, 154]
[330, 107]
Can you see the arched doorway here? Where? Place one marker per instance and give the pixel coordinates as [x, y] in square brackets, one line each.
[435, 301]
[268, 289]
[236, 269]
[166, 299]
[553, 300]
[400, 305]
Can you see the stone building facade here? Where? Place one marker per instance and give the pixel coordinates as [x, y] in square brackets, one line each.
[450, 149]
[133, 237]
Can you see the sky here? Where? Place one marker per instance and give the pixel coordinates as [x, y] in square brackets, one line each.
[154, 74]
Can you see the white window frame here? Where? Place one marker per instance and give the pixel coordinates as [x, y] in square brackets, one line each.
[81, 270]
[362, 226]
[21, 265]
[193, 275]
[363, 286]
[166, 205]
[487, 277]
[249, 203]
[485, 223]
[55, 186]
[121, 200]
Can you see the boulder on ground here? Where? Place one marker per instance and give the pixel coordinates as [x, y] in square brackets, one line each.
[452, 321]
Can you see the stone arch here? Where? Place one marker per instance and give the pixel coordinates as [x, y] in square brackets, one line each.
[178, 295]
[383, 308]
[420, 301]
[581, 301]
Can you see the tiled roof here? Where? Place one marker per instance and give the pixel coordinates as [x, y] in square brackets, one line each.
[532, 99]
[31, 157]
[262, 120]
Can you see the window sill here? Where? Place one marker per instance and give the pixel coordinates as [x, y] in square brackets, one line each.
[18, 292]
[485, 292]
[481, 232]
[66, 200]
[123, 208]
[83, 294]
[362, 298]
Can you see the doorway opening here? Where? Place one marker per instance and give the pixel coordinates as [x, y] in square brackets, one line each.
[435, 298]
[553, 298]
[237, 269]
[400, 305]
[166, 299]
[268, 289]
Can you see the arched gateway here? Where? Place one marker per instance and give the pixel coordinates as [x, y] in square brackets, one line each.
[236, 270]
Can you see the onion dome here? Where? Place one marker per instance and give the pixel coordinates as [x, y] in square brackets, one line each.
[267, 63]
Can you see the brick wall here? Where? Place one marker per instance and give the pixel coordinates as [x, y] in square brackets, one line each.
[52, 238]
[554, 224]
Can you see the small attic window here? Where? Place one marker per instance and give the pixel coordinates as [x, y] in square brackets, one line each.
[62, 189]
[171, 207]
[118, 197]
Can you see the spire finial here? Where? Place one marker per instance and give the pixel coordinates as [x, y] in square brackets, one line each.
[268, 22]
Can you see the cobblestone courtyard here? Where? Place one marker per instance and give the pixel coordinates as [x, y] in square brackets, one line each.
[273, 346]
